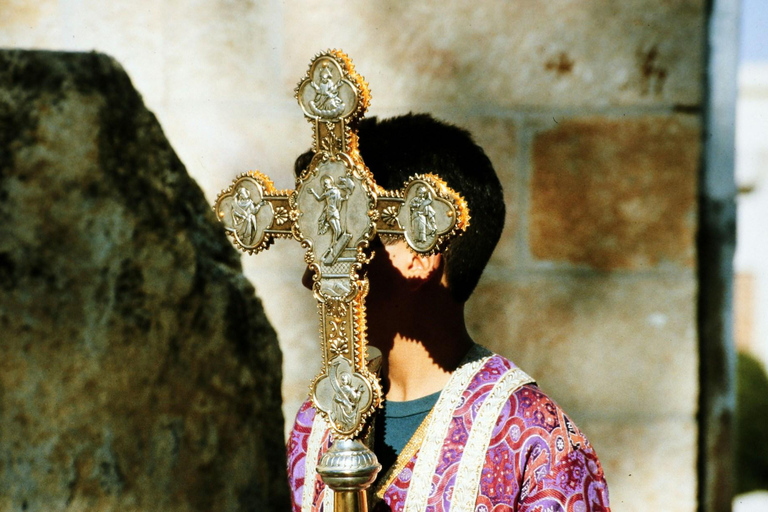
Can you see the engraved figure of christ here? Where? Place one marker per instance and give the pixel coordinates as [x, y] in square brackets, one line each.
[334, 197]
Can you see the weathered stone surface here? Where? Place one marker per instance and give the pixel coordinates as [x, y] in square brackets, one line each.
[600, 344]
[649, 463]
[30, 24]
[138, 370]
[479, 54]
[491, 54]
[616, 194]
[137, 45]
[619, 353]
[224, 41]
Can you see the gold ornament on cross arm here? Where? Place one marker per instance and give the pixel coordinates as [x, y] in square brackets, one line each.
[334, 212]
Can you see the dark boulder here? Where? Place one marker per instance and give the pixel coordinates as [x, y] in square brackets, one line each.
[137, 368]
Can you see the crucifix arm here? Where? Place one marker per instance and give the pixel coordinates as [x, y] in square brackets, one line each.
[263, 214]
[422, 194]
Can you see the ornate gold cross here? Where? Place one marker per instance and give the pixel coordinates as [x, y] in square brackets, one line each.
[334, 212]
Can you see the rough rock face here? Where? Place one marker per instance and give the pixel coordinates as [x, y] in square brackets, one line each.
[137, 369]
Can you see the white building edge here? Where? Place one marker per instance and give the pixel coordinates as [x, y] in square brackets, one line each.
[751, 260]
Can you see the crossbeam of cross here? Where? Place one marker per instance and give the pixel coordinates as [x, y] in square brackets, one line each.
[335, 212]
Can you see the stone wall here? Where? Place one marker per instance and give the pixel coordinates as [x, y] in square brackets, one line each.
[591, 113]
[138, 370]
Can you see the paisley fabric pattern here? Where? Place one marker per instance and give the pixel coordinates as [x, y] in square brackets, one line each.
[298, 442]
[536, 459]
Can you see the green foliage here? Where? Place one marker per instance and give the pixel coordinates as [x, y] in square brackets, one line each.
[751, 425]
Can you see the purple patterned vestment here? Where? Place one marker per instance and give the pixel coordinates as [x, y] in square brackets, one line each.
[534, 459]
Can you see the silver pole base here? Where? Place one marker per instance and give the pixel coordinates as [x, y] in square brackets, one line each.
[349, 468]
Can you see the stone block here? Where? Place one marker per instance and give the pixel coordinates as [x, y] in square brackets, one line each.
[599, 344]
[220, 142]
[616, 193]
[139, 371]
[649, 464]
[507, 54]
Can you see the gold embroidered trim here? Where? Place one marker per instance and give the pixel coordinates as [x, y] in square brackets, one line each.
[442, 413]
[319, 427]
[410, 449]
[467, 482]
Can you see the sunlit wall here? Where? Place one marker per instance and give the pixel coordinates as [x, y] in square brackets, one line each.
[591, 113]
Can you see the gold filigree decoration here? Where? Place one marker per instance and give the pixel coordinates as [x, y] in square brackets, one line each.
[331, 143]
[337, 336]
[334, 109]
[389, 215]
[281, 215]
[442, 188]
[338, 346]
[362, 102]
[446, 194]
[337, 308]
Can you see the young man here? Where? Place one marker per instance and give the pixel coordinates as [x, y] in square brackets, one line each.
[461, 428]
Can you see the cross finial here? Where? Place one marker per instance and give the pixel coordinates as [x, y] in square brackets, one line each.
[333, 97]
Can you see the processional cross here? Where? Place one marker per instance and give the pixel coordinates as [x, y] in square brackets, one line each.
[334, 212]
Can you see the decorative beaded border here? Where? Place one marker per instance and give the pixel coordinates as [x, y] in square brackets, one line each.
[467, 481]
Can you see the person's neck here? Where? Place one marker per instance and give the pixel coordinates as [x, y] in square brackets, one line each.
[422, 348]
[412, 372]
